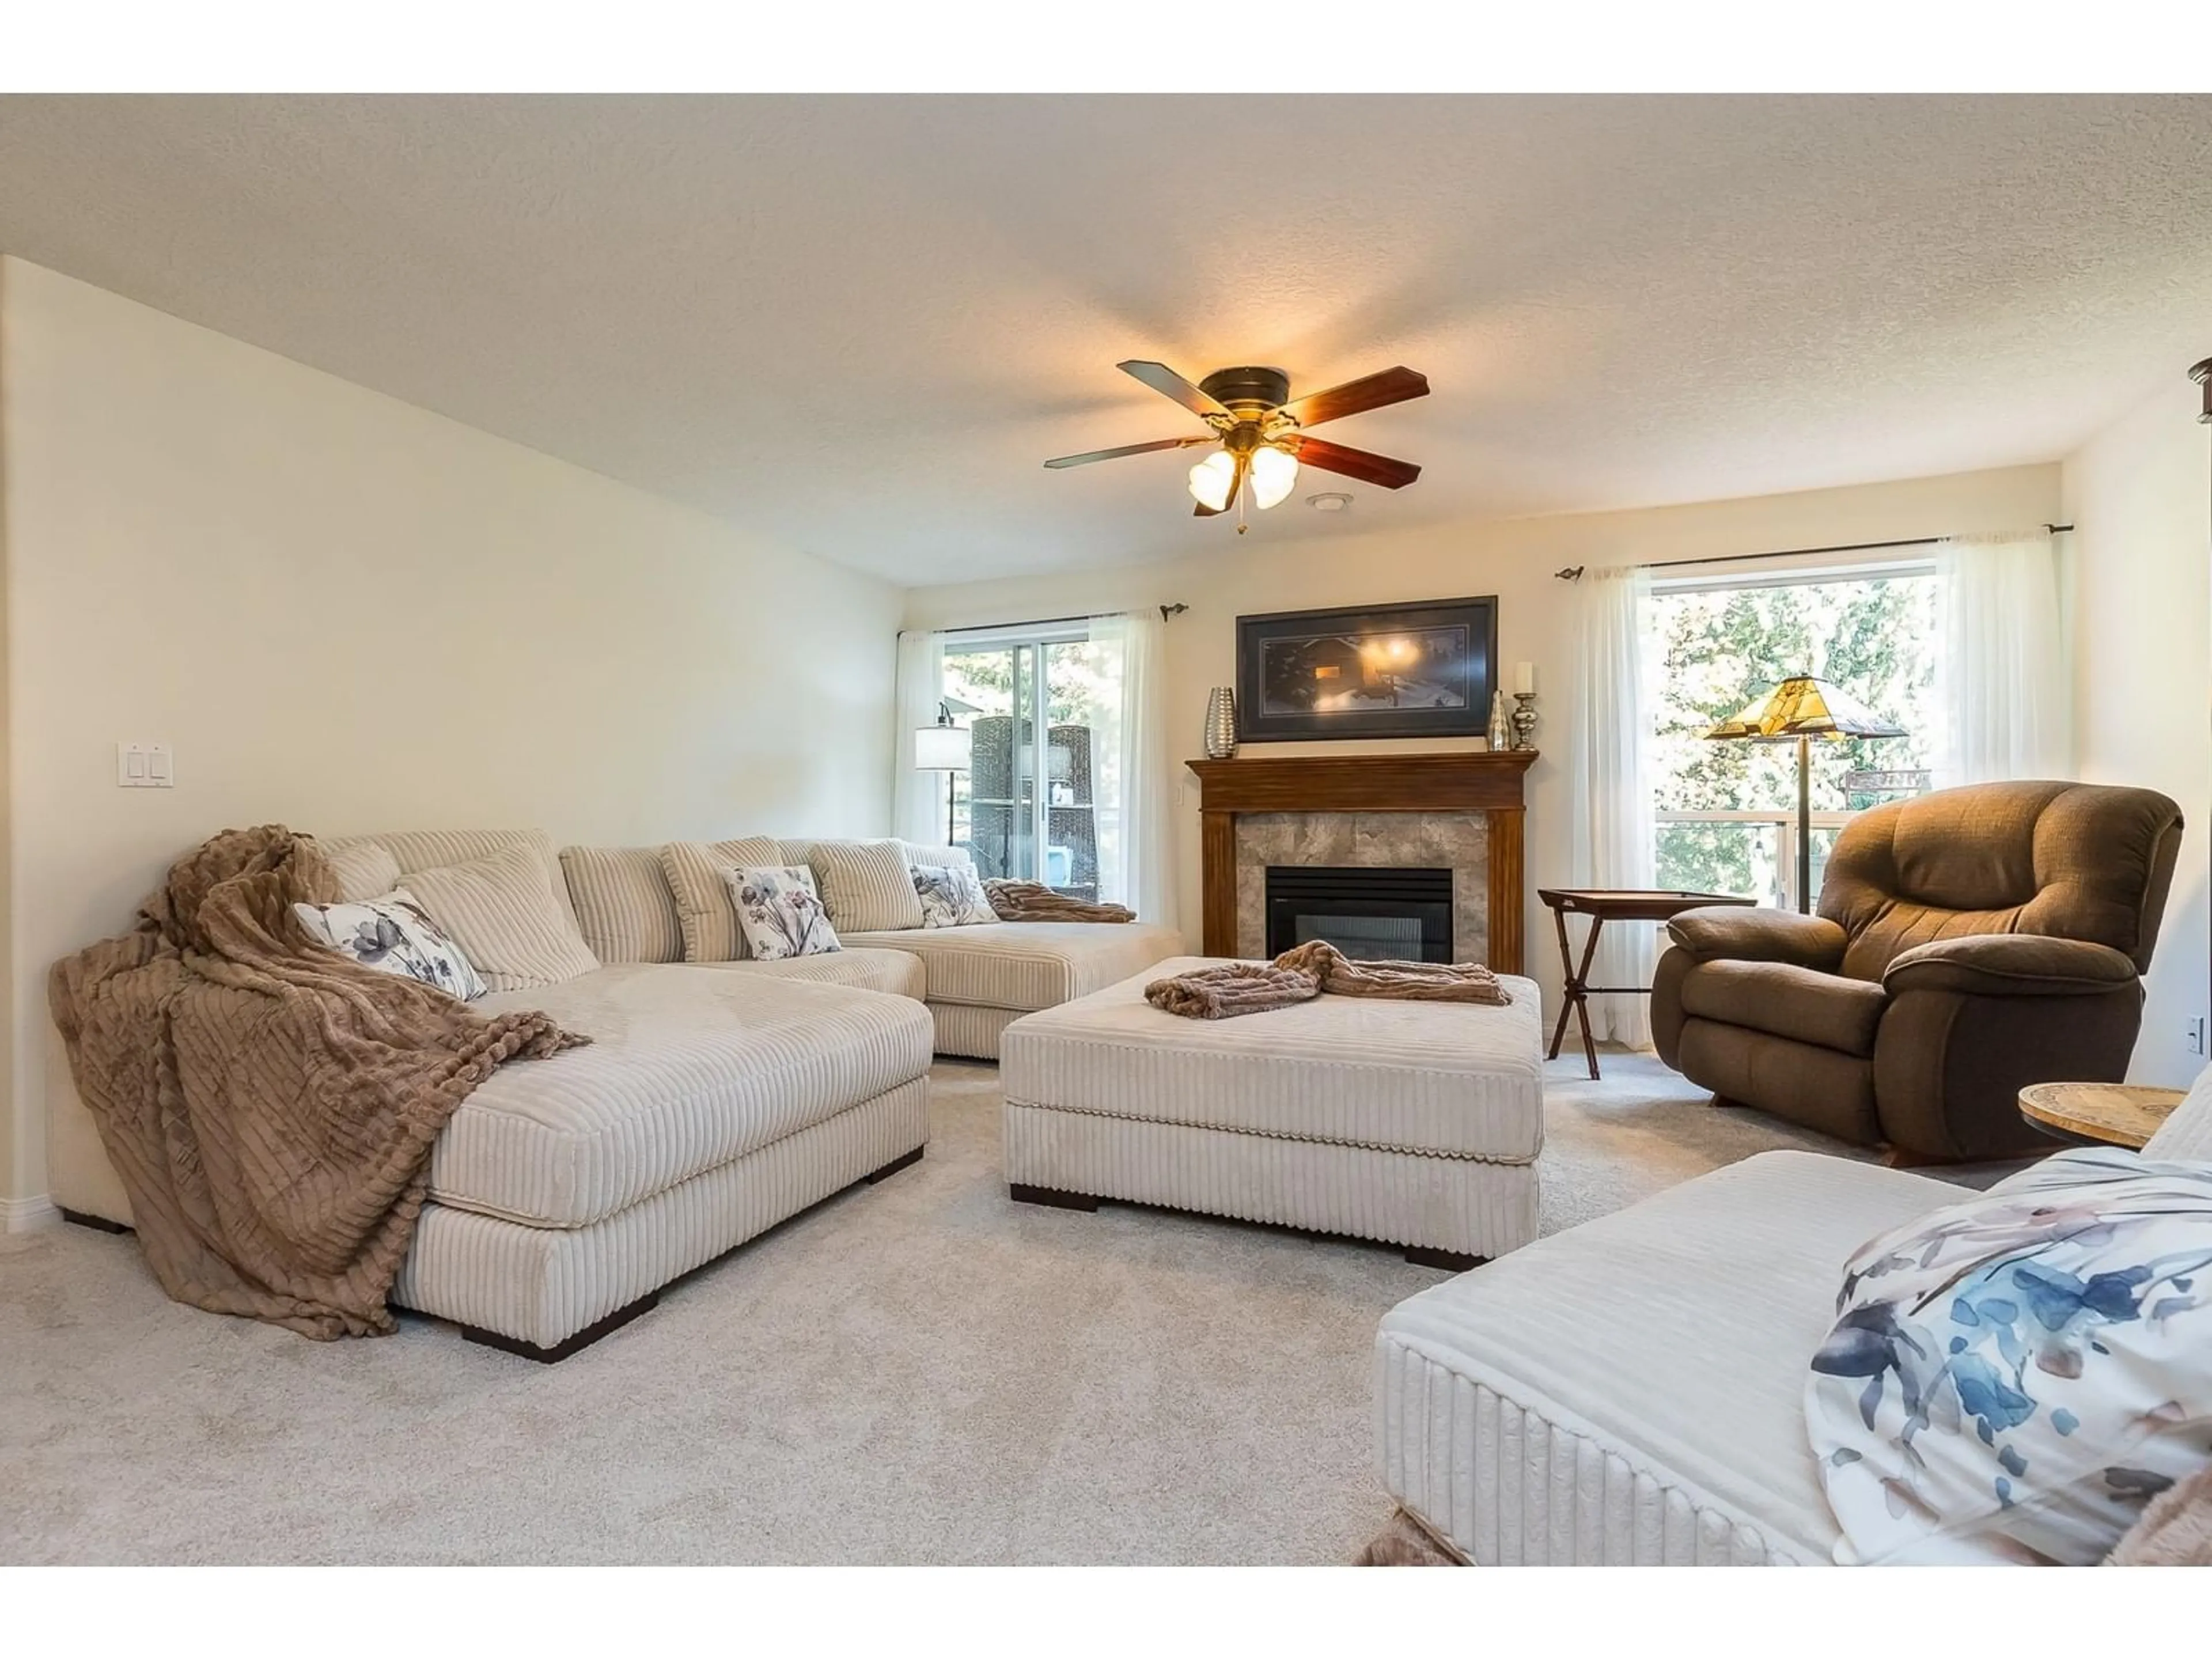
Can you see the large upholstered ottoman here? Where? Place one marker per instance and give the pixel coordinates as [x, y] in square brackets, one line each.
[1413, 1123]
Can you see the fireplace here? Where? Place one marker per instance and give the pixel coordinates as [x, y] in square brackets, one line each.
[1454, 811]
[1371, 913]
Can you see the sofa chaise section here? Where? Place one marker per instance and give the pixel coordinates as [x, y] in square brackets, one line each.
[1632, 1391]
[708, 1108]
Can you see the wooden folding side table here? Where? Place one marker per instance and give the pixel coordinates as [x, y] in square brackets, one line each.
[1601, 905]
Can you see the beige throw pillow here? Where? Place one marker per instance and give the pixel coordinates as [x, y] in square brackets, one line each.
[709, 920]
[501, 911]
[622, 903]
[865, 885]
[364, 869]
[918, 854]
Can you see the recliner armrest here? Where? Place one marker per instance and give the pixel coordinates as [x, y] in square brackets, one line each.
[2010, 965]
[1737, 933]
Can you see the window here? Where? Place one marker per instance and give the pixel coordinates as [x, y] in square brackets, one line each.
[1727, 812]
[1040, 706]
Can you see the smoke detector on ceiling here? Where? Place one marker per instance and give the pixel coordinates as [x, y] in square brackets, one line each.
[1329, 501]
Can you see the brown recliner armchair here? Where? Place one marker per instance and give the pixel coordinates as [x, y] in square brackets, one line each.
[1969, 943]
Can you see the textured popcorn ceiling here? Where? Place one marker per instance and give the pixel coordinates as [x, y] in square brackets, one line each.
[860, 324]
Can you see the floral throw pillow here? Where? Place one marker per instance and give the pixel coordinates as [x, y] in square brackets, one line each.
[951, 896]
[2014, 1377]
[393, 935]
[780, 911]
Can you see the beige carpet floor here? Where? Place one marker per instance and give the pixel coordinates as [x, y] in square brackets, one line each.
[920, 1372]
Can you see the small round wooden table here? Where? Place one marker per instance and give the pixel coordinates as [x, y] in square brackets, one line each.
[2098, 1113]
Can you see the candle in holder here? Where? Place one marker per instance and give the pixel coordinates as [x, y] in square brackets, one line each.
[1524, 679]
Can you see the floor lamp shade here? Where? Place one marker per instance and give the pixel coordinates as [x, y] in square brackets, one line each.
[943, 749]
[1799, 709]
[1804, 706]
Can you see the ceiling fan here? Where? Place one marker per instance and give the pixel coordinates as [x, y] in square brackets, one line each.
[1262, 435]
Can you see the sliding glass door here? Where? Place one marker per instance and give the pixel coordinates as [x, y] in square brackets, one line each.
[1032, 701]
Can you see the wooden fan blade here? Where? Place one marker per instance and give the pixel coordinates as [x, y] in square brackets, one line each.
[1356, 463]
[1130, 449]
[1392, 385]
[1168, 383]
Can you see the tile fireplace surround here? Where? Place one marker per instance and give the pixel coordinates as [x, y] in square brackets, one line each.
[1458, 842]
[1457, 811]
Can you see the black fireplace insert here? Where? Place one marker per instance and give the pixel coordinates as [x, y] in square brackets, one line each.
[1371, 915]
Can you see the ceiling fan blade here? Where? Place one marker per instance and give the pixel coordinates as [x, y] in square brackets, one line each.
[1168, 383]
[1130, 449]
[1356, 463]
[1391, 386]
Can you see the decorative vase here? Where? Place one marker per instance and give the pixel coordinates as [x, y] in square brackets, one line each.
[1501, 733]
[1221, 723]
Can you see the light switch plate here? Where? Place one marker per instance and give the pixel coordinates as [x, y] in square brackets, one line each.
[145, 766]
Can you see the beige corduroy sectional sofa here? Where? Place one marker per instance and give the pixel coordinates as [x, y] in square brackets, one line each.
[719, 1095]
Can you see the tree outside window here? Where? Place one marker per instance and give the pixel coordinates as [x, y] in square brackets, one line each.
[1725, 810]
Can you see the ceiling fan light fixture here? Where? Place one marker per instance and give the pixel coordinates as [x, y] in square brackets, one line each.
[1212, 479]
[1264, 440]
[1274, 475]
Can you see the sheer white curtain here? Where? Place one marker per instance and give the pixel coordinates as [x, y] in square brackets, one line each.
[1134, 777]
[2002, 680]
[917, 798]
[1610, 821]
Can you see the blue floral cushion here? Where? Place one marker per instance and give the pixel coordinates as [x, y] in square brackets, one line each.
[951, 896]
[2015, 1375]
[781, 911]
[393, 935]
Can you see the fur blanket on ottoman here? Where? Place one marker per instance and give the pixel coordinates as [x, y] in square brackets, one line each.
[1318, 968]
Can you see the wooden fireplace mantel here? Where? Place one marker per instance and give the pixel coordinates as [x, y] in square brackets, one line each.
[1489, 783]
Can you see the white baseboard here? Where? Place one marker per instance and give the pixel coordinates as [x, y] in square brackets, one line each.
[23, 1215]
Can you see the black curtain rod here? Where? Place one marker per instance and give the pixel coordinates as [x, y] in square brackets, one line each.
[1167, 611]
[1573, 571]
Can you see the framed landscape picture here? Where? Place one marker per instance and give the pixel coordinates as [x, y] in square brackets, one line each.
[1423, 670]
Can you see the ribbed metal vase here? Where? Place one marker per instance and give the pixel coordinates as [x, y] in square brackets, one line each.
[1221, 723]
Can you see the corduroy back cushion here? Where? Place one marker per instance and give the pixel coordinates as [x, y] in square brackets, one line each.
[508, 915]
[364, 871]
[2069, 861]
[623, 903]
[867, 885]
[709, 921]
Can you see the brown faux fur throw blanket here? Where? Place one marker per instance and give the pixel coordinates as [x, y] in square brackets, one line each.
[270, 1104]
[1232, 989]
[1317, 968]
[2175, 1530]
[1032, 901]
[1405, 1542]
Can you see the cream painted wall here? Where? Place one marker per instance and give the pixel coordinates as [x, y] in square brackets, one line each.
[1513, 560]
[2142, 656]
[349, 614]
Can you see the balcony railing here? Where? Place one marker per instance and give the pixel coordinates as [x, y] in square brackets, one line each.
[1754, 853]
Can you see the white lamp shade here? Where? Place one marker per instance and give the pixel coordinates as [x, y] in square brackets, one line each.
[1211, 478]
[943, 749]
[1274, 475]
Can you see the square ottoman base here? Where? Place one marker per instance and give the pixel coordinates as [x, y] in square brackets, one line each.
[1413, 1124]
[1453, 1213]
